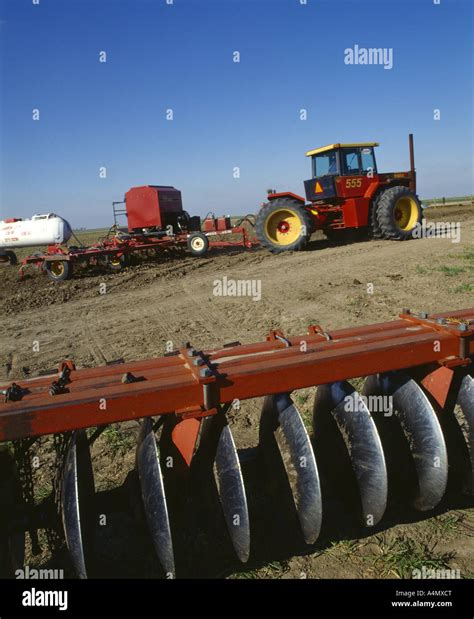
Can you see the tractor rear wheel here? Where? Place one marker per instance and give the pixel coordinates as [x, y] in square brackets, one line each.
[284, 225]
[398, 213]
[374, 226]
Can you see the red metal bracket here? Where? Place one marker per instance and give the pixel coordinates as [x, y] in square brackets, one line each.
[202, 371]
[452, 325]
[318, 330]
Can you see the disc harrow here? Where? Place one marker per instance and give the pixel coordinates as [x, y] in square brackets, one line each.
[411, 425]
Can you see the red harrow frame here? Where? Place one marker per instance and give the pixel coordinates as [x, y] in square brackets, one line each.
[421, 364]
[115, 251]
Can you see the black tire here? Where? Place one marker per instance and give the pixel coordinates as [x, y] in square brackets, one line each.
[12, 259]
[398, 213]
[58, 270]
[374, 226]
[198, 244]
[116, 264]
[271, 231]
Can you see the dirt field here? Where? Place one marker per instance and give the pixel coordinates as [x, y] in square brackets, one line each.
[150, 304]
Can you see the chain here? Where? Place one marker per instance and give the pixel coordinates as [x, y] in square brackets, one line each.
[22, 454]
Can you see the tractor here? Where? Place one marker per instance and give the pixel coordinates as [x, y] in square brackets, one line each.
[345, 198]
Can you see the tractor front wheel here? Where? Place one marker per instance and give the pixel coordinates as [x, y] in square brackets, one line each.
[284, 225]
[398, 213]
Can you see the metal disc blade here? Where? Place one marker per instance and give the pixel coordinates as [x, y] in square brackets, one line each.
[465, 401]
[153, 495]
[230, 486]
[76, 501]
[362, 441]
[422, 431]
[281, 416]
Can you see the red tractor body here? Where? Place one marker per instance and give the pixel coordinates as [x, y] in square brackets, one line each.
[343, 193]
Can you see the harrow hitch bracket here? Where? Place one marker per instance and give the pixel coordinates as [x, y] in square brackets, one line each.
[13, 393]
[203, 372]
[451, 325]
[318, 330]
[66, 363]
[58, 386]
[276, 335]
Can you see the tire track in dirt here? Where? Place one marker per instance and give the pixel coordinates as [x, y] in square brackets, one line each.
[97, 340]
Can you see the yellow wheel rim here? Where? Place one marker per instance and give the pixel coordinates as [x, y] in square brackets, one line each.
[283, 227]
[115, 262]
[57, 268]
[406, 213]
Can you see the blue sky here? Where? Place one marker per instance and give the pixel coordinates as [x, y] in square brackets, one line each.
[226, 114]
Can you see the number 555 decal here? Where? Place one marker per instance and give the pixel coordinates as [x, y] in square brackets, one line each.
[353, 182]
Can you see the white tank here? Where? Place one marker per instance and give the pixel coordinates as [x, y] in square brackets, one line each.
[46, 229]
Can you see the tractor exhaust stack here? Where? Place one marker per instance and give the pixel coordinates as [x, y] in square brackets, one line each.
[412, 163]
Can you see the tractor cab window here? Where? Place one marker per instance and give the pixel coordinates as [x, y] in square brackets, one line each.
[368, 160]
[358, 161]
[325, 164]
[351, 161]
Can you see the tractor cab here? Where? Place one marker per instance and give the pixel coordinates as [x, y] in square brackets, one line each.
[333, 161]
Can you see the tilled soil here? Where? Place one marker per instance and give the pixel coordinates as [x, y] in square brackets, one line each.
[145, 309]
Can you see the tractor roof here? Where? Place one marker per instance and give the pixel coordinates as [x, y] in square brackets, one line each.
[333, 146]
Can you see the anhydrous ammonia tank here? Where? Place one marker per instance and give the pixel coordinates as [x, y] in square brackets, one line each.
[46, 229]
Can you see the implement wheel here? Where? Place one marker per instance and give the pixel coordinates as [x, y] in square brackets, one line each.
[284, 225]
[398, 213]
[12, 259]
[58, 270]
[114, 263]
[198, 244]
